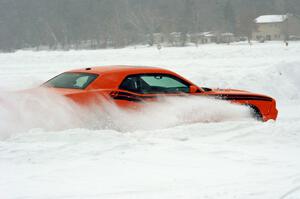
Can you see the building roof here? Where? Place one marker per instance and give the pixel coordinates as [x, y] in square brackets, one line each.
[271, 18]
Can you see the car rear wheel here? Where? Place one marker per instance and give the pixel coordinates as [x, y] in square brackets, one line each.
[255, 113]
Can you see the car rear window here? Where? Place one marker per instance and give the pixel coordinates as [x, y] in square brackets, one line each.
[71, 80]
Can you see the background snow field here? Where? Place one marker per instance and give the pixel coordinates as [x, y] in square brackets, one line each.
[193, 148]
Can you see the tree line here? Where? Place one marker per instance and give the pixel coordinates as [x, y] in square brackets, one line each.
[72, 24]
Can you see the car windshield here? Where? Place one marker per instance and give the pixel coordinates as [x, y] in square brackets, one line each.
[71, 80]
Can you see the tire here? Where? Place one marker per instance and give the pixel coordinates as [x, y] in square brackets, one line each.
[255, 113]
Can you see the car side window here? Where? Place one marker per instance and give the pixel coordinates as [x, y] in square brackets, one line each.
[154, 84]
[130, 84]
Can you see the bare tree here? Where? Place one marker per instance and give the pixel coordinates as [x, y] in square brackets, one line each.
[69, 24]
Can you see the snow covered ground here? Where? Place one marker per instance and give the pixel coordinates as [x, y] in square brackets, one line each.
[51, 151]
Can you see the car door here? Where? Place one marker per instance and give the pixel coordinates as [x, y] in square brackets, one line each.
[150, 87]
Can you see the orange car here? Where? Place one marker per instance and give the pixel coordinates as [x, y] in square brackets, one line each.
[129, 86]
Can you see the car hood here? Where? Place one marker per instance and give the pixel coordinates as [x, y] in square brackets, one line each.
[229, 91]
[238, 93]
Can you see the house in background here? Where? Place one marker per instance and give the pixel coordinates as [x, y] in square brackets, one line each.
[293, 24]
[276, 27]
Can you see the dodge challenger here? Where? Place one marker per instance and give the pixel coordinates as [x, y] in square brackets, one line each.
[131, 86]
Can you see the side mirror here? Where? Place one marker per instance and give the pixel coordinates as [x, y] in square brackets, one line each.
[193, 89]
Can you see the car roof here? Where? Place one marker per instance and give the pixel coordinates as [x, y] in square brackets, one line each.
[121, 69]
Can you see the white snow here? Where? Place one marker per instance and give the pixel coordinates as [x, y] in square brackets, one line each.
[193, 148]
[271, 18]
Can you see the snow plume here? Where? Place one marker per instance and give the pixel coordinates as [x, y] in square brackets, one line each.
[36, 109]
[169, 112]
[49, 111]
